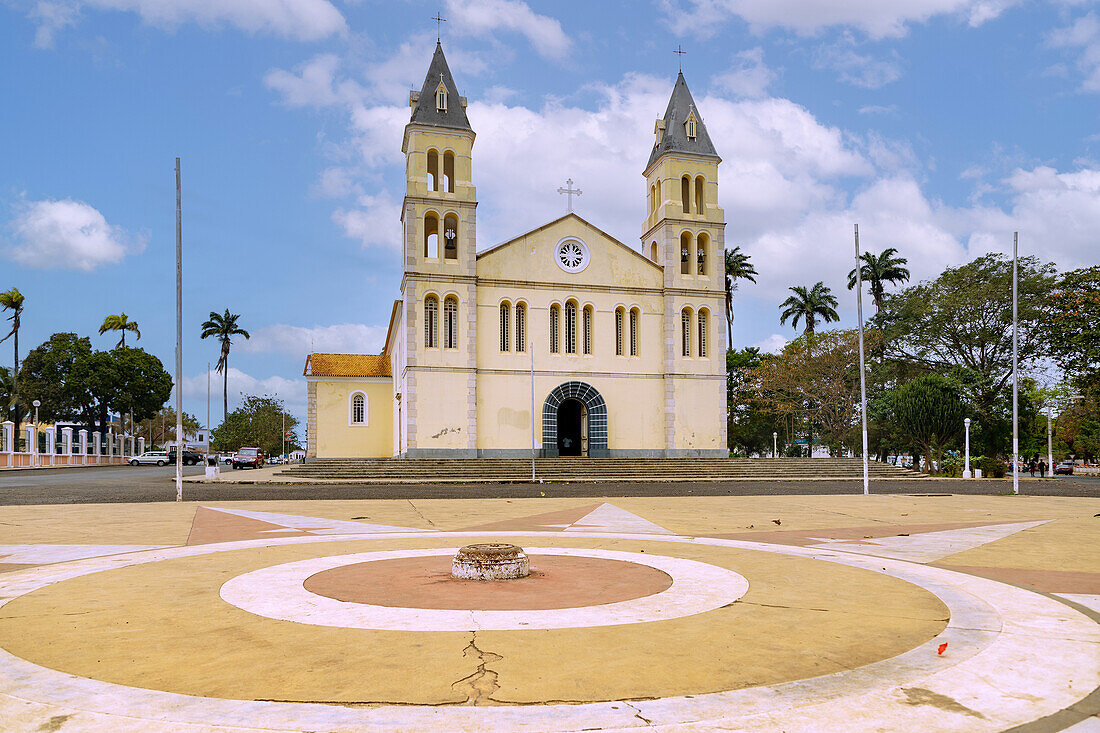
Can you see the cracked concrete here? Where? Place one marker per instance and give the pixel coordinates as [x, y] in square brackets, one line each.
[479, 686]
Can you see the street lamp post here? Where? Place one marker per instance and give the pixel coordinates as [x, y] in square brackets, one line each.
[775, 444]
[34, 448]
[966, 471]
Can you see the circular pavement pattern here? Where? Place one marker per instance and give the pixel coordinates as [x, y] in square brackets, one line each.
[555, 581]
[279, 592]
[996, 633]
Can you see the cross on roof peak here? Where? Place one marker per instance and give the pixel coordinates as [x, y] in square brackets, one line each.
[680, 52]
[569, 191]
[439, 21]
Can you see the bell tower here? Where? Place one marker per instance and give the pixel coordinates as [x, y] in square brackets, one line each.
[684, 232]
[439, 296]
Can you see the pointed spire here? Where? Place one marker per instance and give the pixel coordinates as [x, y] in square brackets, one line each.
[674, 137]
[426, 110]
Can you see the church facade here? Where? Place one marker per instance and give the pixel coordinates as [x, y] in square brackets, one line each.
[563, 339]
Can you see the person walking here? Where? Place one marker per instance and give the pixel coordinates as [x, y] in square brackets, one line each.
[1031, 467]
[1042, 468]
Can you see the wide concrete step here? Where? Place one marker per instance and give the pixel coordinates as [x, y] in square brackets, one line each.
[588, 469]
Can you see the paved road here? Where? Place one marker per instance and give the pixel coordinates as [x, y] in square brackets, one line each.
[149, 483]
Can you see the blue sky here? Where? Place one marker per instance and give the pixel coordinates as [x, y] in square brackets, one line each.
[940, 126]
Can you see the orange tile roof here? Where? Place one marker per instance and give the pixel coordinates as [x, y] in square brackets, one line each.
[348, 365]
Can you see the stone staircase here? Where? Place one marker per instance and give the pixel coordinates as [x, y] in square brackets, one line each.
[490, 470]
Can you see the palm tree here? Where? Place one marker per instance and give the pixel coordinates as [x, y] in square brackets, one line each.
[879, 270]
[120, 323]
[12, 300]
[738, 267]
[808, 306]
[223, 327]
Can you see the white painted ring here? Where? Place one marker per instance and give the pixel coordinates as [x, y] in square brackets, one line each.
[278, 592]
[995, 631]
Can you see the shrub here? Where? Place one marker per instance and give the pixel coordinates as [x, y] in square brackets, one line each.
[991, 467]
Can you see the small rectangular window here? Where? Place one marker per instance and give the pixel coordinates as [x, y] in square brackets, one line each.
[619, 332]
[505, 336]
[554, 325]
[634, 333]
[685, 333]
[702, 335]
[586, 335]
[521, 328]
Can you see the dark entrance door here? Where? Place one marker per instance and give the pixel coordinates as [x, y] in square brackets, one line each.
[571, 428]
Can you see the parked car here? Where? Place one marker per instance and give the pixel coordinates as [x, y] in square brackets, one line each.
[248, 458]
[157, 457]
[190, 457]
[1065, 467]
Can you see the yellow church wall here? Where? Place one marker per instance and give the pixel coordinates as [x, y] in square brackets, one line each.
[634, 409]
[440, 420]
[336, 437]
[699, 404]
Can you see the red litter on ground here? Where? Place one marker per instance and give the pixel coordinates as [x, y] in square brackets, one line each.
[942, 649]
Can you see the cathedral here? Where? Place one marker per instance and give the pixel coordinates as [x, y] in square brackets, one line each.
[563, 339]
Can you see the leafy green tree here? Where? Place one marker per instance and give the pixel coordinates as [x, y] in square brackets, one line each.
[930, 411]
[128, 380]
[751, 416]
[121, 324]
[56, 374]
[257, 422]
[7, 394]
[960, 325]
[878, 270]
[808, 306]
[12, 300]
[223, 327]
[161, 427]
[737, 267]
[1073, 329]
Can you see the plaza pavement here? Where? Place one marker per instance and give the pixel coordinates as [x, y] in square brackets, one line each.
[795, 613]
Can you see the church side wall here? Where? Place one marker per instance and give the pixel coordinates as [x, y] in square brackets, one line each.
[336, 437]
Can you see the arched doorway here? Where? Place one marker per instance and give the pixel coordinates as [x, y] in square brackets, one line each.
[572, 428]
[574, 421]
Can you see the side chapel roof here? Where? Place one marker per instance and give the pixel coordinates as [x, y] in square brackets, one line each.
[675, 139]
[347, 365]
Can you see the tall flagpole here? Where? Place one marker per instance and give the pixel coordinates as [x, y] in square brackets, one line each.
[179, 338]
[1015, 381]
[531, 350]
[862, 368]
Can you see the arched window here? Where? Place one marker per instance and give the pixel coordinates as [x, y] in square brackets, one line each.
[653, 252]
[431, 322]
[521, 328]
[450, 237]
[586, 330]
[657, 194]
[701, 253]
[652, 198]
[450, 322]
[635, 316]
[700, 194]
[685, 193]
[685, 253]
[571, 327]
[449, 171]
[685, 332]
[555, 326]
[505, 332]
[703, 316]
[619, 331]
[431, 235]
[433, 170]
[358, 414]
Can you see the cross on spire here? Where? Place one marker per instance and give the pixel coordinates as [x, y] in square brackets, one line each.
[569, 191]
[439, 21]
[680, 52]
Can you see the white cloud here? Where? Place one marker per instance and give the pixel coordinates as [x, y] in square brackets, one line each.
[876, 18]
[854, 68]
[1083, 34]
[291, 391]
[68, 235]
[306, 20]
[878, 109]
[374, 222]
[749, 76]
[772, 344]
[313, 84]
[483, 17]
[298, 341]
